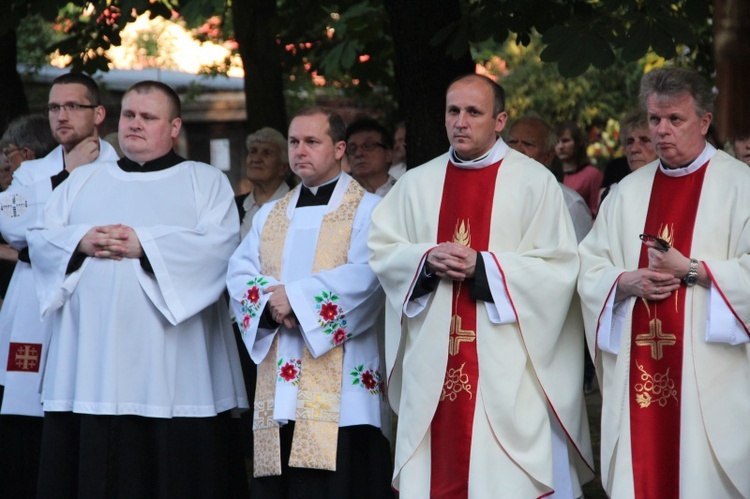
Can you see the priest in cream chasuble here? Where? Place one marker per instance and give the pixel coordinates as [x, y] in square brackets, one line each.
[485, 373]
[664, 286]
[677, 366]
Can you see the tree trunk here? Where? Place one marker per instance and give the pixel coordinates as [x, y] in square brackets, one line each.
[13, 101]
[254, 22]
[423, 72]
[732, 53]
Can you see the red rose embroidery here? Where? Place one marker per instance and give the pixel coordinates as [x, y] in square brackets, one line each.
[339, 336]
[253, 294]
[246, 321]
[329, 311]
[368, 380]
[288, 372]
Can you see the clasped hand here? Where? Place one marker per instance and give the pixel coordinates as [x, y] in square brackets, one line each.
[656, 282]
[279, 306]
[455, 261]
[111, 241]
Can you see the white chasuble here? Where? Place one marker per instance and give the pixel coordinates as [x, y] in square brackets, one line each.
[130, 341]
[714, 446]
[530, 366]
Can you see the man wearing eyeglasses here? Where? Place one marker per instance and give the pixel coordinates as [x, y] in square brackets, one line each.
[27, 137]
[664, 285]
[74, 113]
[370, 151]
[478, 261]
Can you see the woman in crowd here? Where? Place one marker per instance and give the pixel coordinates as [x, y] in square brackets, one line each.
[578, 174]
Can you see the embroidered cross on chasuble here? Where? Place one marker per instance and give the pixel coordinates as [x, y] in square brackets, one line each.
[316, 427]
[657, 344]
[465, 216]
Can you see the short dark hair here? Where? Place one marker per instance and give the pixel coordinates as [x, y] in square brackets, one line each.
[146, 86]
[92, 89]
[497, 91]
[671, 82]
[370, 125]
[32, 131]
[336, 125]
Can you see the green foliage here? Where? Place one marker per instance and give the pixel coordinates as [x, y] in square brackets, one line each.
[579, 34]
[88, 28]
[35, 37]
[586, 58]
[533, 86]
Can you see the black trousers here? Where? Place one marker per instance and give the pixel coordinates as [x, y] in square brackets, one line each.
[88, 456]
[20, 441]
[363, 470]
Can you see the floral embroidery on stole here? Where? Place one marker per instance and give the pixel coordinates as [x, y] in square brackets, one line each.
[319, 391]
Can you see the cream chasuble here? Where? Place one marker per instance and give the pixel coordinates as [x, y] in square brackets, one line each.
[714, 446]
[529, 354]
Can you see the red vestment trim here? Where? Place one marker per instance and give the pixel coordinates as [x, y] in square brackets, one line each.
[24, 357]
[657, 346]
[465, 218]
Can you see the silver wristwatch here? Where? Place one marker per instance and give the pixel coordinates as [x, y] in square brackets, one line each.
[691, 278]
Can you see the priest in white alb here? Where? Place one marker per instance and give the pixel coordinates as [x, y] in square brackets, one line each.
[477, 255]
[665, 286]
[308, 306]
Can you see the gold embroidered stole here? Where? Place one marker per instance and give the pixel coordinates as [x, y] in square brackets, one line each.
[315, 436]
[656, 351]
[465, 218]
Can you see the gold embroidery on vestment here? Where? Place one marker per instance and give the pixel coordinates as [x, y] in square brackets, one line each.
[315, 438]
[456, 381]
[656, 339]
[657, 388]
[458, 335]
[666, 232]
[462, 233]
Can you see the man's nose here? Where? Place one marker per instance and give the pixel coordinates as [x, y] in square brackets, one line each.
[661, 127]
[461, 120]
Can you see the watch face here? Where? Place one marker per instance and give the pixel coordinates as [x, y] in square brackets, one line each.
[691, 280]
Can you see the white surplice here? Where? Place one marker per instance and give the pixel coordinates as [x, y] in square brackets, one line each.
[358, 294]
[125, 340]
[21, 205]
[714, 443]
[530, 432]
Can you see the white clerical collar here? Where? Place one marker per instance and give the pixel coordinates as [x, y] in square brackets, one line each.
[498, 152]
[708, 153]
[314, 190]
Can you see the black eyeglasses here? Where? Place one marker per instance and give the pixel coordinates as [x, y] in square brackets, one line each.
[69, 106]
[352, 149]
[657, 243]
